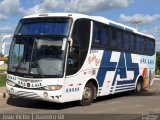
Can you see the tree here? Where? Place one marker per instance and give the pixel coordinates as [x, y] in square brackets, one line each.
[1, 55]
[158, 61]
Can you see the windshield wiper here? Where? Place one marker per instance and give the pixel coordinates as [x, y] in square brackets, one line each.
[19, 65]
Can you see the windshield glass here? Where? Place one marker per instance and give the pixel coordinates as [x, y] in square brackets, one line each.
[44, 26]
[39, 56]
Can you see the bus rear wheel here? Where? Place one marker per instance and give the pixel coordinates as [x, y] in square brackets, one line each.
[139, 86]
[88, 95]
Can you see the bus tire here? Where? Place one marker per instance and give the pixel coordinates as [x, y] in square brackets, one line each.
[88, 95]
[139, 86]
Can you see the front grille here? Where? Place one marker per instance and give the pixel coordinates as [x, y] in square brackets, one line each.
[40, 88]
[30, 95]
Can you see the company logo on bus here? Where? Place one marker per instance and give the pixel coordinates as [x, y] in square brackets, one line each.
[28, 84]
[10, 77]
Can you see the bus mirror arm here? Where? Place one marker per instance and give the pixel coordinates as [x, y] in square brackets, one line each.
[70, 40]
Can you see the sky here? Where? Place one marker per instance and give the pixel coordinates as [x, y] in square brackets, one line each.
[141, 14]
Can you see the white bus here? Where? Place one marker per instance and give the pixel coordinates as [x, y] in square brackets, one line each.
[63, 57]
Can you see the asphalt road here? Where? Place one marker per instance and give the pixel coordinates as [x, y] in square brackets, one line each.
[114, 106]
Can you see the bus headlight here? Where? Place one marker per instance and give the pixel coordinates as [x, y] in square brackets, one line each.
[11, 83]
[53, 87]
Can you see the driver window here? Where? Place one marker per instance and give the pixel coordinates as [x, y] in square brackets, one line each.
[73, 60]
[81, 37]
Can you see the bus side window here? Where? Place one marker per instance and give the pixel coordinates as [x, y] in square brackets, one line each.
[113, 39]
[116, 42]
[96, 38]
[150, 46]
[119, 40]
[100, 36]
[132, 43]
[140, 44]
[104, 37]
[127, 42]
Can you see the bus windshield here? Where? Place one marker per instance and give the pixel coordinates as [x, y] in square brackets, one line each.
[39, 46]
[37, 56]
[44, 26]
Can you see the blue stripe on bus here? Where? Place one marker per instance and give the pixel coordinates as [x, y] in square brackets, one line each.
[129, 67]
[125, 82]
[121, 70]
[132, 67]
[105, 66]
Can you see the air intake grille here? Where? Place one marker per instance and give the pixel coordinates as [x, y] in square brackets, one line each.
[30, 95]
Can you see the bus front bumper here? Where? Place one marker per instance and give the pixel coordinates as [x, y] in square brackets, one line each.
[51, 96]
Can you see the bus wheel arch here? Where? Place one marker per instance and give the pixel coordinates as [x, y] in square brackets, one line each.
[89, 93]
[95, 84]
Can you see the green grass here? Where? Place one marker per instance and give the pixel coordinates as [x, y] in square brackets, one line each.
[3, 80]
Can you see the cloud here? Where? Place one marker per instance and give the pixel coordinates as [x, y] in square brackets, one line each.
[35, 10]
[88, 6]
[155, 31]
[10, 8]
[142, 19]
[6, 29]
[45, 6]
[3, 17]
[53, 4]
[82, 6]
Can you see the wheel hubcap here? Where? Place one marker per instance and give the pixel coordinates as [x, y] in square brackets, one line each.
[87, 93]
[139, 87]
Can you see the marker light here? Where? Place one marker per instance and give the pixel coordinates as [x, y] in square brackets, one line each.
[11, 83]
[12, 90]
[53, 87]
[45, 94]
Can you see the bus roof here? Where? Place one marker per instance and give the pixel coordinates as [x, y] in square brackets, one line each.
[95, 18]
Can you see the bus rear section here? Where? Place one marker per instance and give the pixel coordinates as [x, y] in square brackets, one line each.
[123, 57]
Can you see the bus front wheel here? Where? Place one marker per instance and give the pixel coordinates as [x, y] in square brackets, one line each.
[88, 95]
